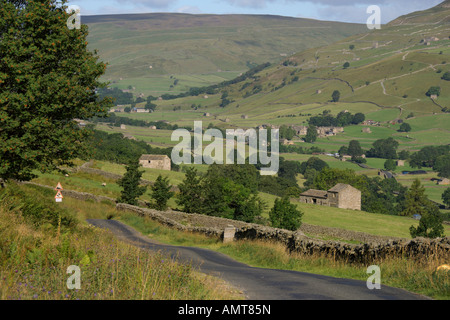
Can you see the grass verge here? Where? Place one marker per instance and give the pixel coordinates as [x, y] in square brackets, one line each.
[412, 275]
[36, 248]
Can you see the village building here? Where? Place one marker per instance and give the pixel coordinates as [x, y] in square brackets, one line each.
[444, 182]
[341, 196]
[160, 162]
[141, 110]
[371, 123]
[286, 142]
[329, 131]
[321, 131]
[300, 130]
[386, 174]
[401, 163]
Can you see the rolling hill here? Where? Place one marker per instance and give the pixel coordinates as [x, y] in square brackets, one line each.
[389, 74]
[151, 51]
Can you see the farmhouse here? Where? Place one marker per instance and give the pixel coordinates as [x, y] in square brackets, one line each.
[329, 131]
[156, 162]
[371, 123]
[140, 110]
[385, 174]
[321, 131]
[342, 196]
[401, 163]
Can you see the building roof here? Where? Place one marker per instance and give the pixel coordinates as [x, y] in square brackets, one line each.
[340, 187]
[315, 194]
[149, 157]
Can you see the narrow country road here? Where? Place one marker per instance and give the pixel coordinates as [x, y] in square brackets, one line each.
[257, 283]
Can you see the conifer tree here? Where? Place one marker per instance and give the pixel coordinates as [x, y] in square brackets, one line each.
[190, 196]
[161, 193]
[130, 183]
[416, 200]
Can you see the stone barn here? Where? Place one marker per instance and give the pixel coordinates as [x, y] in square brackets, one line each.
[150, 161]
[341, 196]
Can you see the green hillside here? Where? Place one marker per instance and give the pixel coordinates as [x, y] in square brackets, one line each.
[389, 75]
[150, 51]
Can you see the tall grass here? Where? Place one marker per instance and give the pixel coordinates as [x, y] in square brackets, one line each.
[34, 258]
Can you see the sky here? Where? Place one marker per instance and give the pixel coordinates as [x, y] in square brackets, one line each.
[333, 10]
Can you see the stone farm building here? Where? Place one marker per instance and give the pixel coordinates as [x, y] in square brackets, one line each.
[150, 161]
[341, 196]
[321, 131]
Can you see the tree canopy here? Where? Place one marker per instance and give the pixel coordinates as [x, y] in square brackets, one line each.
[48, 78]
[384, 149]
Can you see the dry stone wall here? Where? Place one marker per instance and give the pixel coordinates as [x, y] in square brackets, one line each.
[297, 242]
[372, 248]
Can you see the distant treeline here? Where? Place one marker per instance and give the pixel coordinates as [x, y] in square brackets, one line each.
[343, 119]
[120, 98]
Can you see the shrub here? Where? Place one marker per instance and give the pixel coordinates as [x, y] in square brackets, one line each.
[434, 91]
[285, 215]
[446, 76]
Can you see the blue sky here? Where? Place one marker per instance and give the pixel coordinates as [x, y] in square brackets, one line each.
[336, 10]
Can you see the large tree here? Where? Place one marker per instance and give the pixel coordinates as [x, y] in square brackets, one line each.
[311, 134]
[384, 148]
[416, 200]
[48, 78]
[354, 149]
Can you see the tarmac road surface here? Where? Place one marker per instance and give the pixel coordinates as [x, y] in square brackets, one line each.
[257, 283]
